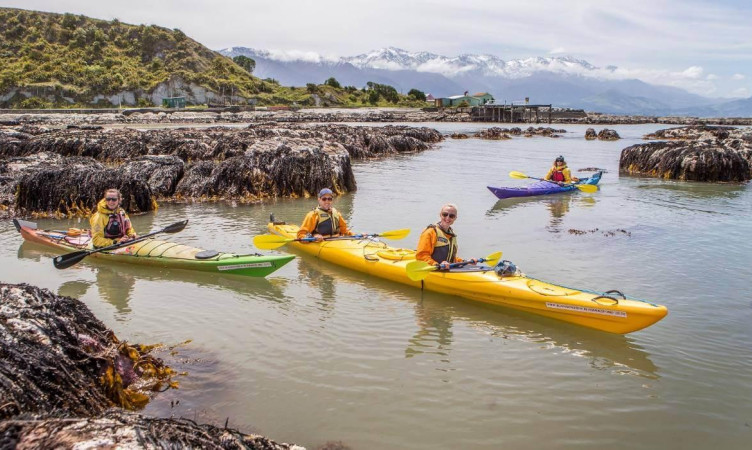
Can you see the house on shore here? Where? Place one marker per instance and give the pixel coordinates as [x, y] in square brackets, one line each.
[478, 99]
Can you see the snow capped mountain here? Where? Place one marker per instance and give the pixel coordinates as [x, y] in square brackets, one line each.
[561, 81]
[392, 58]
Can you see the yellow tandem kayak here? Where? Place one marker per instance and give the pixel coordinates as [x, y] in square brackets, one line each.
[609, 312]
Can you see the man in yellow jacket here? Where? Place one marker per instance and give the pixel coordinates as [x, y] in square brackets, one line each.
[110, 224]
[324, 220]
[560, 173]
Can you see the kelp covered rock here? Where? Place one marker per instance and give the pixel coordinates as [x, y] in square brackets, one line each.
[603, 135]
[197, 144]
[493, 133]
[698, 153]
[124, 430]
[49, 184]
[57, 358]
[496, 133]
[246, 164]
[608, 135]
[293, 168]
[63, 375]
[694, 133]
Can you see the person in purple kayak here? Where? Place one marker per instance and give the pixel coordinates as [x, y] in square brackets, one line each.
[559, 173]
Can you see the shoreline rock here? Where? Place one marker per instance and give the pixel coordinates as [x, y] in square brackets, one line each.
[603, 135]
[62, 371]
[697, 153]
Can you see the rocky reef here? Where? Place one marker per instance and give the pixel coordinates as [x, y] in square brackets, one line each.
[65, 377]
[604, 135]
[497, 133]
[695, 153]
[48, 171]
[121, 429]
[57, 357]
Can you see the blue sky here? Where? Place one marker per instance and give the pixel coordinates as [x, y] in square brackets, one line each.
[702, 46]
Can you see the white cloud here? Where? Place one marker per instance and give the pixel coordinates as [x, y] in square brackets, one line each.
[558, 51]
[692, 73]
[298, 55]
[711, 76]
[737, 76]
[741, 92]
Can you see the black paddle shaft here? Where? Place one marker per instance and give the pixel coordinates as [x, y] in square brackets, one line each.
[70, 259]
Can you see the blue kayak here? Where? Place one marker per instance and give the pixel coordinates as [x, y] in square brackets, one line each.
[541, 188]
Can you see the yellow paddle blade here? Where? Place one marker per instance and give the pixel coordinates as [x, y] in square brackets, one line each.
[395, 234]
[418, 270]
[518, 175]
[270, 241]
[493, 258]
[589, 188]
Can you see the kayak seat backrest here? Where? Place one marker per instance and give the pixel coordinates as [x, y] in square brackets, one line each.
[207, 254]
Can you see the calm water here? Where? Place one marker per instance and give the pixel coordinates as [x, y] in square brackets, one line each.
[318, 353]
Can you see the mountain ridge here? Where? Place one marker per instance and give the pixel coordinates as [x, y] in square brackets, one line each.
[563, 81]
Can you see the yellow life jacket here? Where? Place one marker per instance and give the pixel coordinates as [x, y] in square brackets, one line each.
[327, 222]
[445, 247]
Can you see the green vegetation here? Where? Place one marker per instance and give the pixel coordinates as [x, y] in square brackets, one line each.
[332, 82]
[245, 62]
[66, 60]
[417, 95]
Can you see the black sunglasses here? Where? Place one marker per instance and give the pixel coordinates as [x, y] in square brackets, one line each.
[111, 199]
[327, 199]
[450, 215]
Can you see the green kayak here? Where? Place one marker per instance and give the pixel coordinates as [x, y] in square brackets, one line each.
[158, 253]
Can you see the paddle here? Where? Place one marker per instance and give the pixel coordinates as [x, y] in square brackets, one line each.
[65, 261]
[418, 270]
[589, 188]
[272, 241]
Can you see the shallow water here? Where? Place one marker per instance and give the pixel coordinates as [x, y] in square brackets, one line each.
[318, 353]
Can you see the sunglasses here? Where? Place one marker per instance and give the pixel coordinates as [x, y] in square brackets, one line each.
[112, 199]
[327, 199]
[450, 215]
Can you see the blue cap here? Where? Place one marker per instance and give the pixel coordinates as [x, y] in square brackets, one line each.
[325, 191]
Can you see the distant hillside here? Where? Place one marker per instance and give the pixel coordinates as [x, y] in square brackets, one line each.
[561, 81]
[66, 60]
[62, 59]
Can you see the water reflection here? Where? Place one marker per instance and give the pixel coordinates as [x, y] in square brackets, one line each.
[75, 288]
[437, 314]
[696, 190]
[434, 333]
[690, 196]
[603, 351]
[558, 206]
[115, 286]
[309, 271]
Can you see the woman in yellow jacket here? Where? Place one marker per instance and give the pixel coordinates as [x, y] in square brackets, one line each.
[559, 173]
[324, 220]
[110, 224]
[438, 242]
